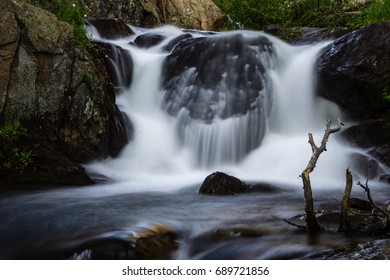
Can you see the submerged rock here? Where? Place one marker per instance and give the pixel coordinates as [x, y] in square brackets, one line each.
[157, 243]
[375, 250]
[220, 183]
[110, 28]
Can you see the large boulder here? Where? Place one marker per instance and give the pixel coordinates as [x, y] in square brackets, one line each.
[192, 14]
[374, 137]
[219, 183]
[354, 71]
[205, 76]
[59, 91]
[218, 88]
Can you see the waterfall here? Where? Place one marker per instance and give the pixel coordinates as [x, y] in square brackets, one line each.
[239, 102]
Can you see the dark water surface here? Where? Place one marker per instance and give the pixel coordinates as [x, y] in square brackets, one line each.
[39, 224]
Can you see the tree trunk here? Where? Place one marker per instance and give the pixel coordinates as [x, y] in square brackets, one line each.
[311, 220]
[344, 221]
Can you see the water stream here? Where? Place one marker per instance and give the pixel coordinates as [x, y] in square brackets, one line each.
[177, 144]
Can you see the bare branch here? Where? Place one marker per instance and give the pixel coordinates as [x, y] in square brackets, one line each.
[295, 225]
[376, 206]
[311, 221]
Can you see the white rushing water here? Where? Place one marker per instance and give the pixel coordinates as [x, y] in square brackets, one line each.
[161, 159]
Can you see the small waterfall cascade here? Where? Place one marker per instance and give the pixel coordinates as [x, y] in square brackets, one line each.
[239, 102]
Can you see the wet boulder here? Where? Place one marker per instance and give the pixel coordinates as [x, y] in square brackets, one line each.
[354, 71]
[218, 76]
[148, 40]
[220, 183]
[372, 136]
[119, 64]
[110, 28]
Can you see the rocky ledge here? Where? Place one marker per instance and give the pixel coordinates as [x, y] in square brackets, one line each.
[59, 93]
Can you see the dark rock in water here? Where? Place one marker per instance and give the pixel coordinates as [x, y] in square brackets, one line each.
[360, 204]
[106, 249]
[375, 250]
[262, 187]
[220, 183]
[119, 64]
[220, 83]
[148, 40]
[373, 136]
[385, 178]
[174, 42]
[217, 76]
[354, 71]
[110, 28]
[157, 243]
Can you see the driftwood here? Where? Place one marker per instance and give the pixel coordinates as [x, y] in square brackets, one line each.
[311, 220]
[384, 212]
[344, 221]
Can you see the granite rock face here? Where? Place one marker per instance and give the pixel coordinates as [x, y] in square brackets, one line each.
[191, 14]
[59, 91]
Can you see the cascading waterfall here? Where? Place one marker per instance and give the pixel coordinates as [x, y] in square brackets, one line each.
[238, 102]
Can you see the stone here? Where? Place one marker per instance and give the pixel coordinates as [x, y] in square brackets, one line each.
[148, 40]
[220, 183]
[109, 28]
[192, 14]
[354, 72]
[59, 91]
[196, 70]
[373, 136]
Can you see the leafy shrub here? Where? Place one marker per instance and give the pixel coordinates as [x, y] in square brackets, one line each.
[12, 129]
[252, 14]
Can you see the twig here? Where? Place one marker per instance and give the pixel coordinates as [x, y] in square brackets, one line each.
[376, 206]
[295, 225]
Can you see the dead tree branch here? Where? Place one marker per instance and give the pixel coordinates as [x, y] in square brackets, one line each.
[295, 225]
[311, 220]
[376, 206]
[344, 221]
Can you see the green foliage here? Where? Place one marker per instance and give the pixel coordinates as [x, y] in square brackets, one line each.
[15, 158]
[73, 12]
[378, 11]
[252, 14]
[70, 11]
[12, 129]
[19, 159]
[386, 93]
